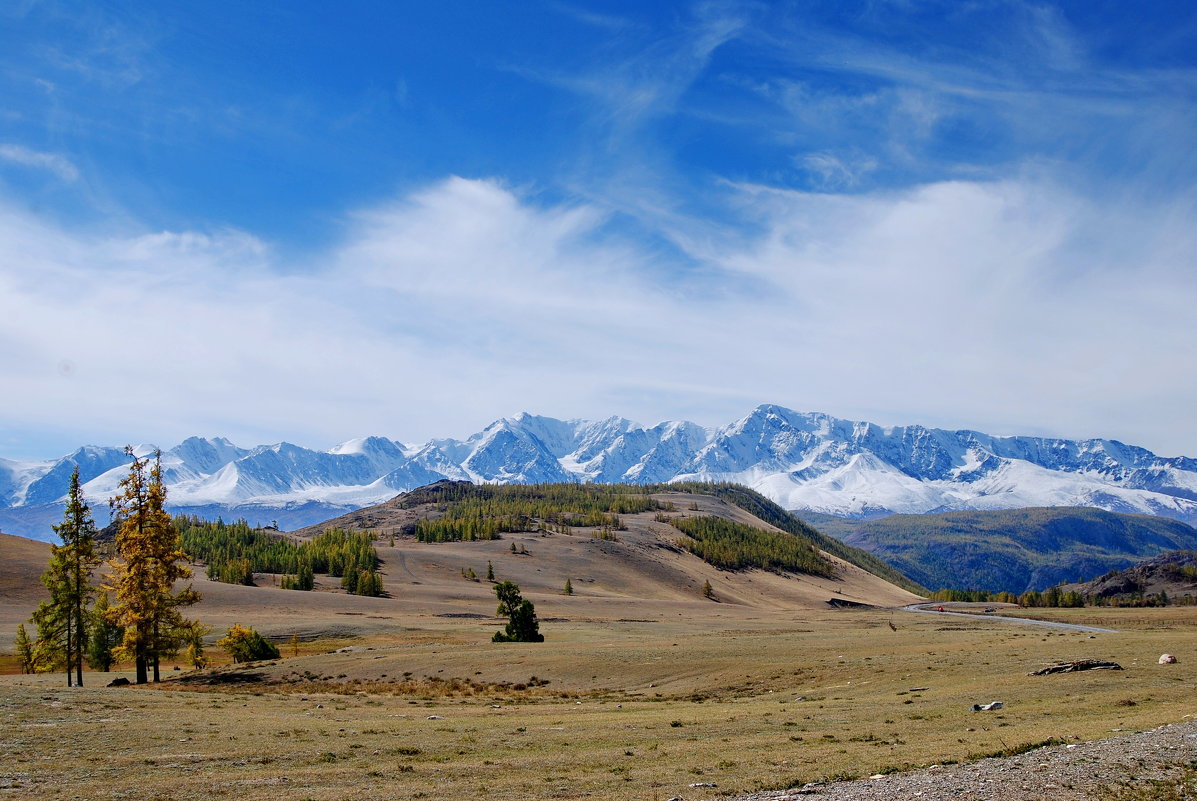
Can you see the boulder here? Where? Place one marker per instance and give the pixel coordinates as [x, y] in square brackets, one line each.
[1167, 659]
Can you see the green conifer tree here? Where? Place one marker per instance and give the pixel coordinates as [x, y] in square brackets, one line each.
[105, 636]
[522, 625]
[62, 620]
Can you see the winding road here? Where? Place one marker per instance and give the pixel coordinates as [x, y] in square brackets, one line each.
[932, 609]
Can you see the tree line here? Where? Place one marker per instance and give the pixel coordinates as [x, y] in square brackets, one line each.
[1058, 598]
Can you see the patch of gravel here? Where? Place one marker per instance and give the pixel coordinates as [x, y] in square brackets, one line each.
[1074, 772]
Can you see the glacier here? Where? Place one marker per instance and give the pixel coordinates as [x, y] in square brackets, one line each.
[804, 461]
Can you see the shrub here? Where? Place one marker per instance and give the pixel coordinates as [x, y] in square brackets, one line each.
[246, 645]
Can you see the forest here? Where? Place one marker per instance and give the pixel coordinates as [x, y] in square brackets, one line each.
[735, 546]
[484, 512]
[234, 552]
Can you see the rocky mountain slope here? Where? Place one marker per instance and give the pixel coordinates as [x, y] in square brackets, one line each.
[802, 461]
[1173, 573]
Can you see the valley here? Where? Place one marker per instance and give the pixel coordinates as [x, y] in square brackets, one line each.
[644, 687]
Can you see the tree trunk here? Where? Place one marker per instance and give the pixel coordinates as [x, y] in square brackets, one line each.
[80, 639]
[157, 645]
[142, 673]
[68, 648]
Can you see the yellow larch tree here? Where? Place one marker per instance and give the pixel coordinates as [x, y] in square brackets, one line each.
[150, 560]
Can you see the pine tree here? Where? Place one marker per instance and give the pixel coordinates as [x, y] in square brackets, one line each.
[707, 591]
[569, 587]
[490, 569]
[62, 620]
[105, 636]
[151, 560]
[522, 625]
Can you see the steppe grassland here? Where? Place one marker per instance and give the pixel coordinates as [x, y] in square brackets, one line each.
[650, 709]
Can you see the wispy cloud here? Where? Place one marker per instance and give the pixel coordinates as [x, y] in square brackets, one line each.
[1008, 306]
[51, 162]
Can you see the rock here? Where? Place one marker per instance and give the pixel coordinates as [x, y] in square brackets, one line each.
[1167, 659]
[120, 681]
[988, 707]
[1080, 664]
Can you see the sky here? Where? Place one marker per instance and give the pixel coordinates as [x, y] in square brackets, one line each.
[313, 221]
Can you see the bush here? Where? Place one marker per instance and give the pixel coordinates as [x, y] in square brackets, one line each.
[246, 645]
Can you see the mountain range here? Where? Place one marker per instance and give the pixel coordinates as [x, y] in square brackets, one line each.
[803, 461]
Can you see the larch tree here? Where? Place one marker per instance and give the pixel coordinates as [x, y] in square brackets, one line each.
[24, 647]
[62, 620]
[151, 560]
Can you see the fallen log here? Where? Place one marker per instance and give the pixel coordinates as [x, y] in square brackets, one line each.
[1079, 664]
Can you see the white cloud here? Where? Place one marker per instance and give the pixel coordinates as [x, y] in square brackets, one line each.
[51, 162]
[1012, 307]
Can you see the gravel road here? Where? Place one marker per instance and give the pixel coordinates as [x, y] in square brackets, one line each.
[1077, 772]
[1025, 621]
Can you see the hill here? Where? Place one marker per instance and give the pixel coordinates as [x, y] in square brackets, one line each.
[800, 460]
[22, 563]
[1010, 550]
[634, 565]
[1173, 574]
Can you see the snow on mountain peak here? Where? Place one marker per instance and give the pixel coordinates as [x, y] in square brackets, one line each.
[802, 460]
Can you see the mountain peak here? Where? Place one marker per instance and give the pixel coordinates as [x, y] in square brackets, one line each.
[801, 460]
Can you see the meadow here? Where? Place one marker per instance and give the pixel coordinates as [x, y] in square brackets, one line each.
[677, 703]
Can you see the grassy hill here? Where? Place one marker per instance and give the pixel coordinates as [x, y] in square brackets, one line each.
[1013, 550]
[617, 546]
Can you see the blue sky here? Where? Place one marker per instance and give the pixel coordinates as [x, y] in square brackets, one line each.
[318, 221]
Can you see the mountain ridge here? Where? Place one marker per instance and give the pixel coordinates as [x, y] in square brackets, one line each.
[806, 461]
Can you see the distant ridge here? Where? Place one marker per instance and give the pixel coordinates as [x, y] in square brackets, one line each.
[1011, 550]
[1173, 574]
[802, 461]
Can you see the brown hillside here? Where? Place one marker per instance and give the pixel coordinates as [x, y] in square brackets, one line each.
[644, 564]
[642, 576]
[22, 563]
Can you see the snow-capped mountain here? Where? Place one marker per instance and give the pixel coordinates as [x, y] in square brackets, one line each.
[803, 461]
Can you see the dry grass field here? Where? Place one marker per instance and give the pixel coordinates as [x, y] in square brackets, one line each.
[643, 689]
[617, 710]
